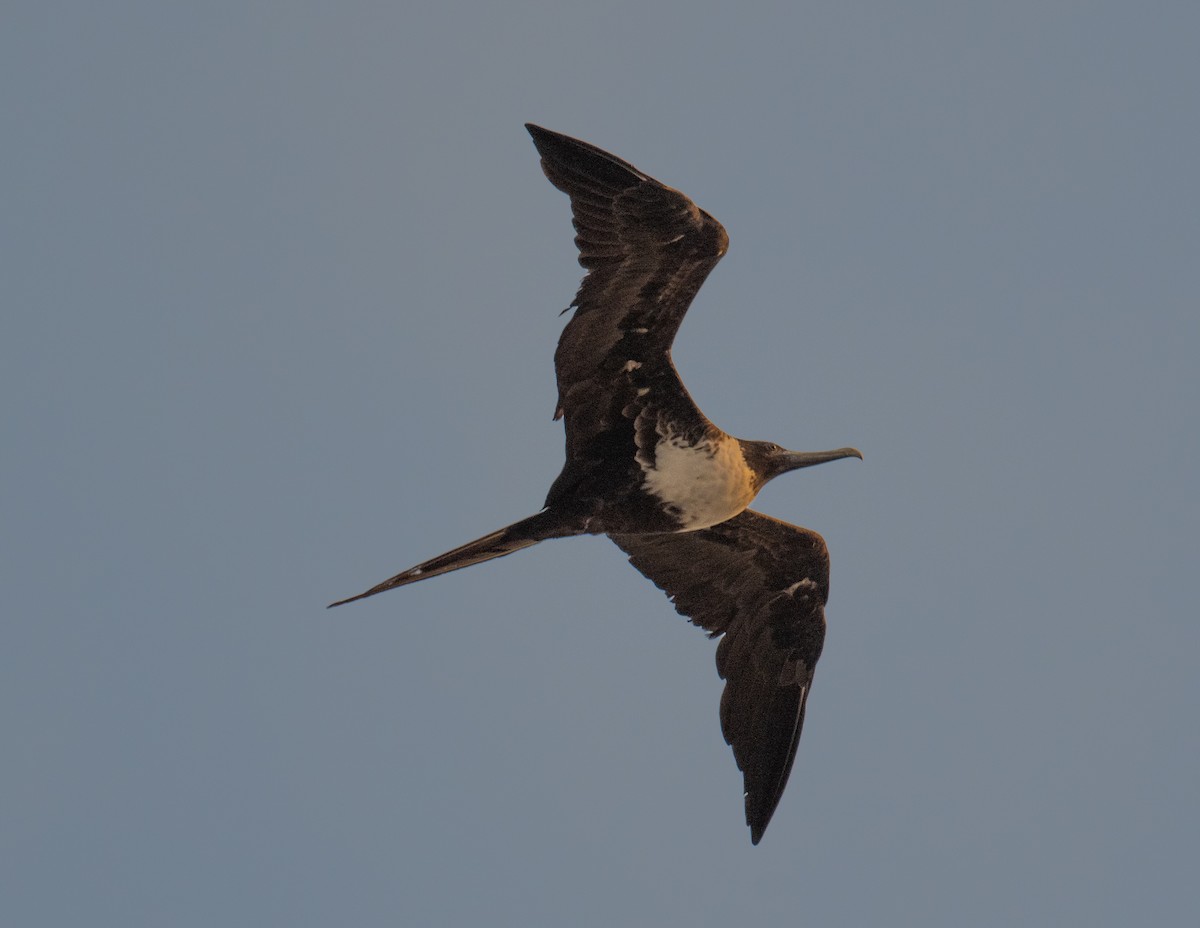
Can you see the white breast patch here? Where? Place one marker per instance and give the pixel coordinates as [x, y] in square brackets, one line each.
[703, 484]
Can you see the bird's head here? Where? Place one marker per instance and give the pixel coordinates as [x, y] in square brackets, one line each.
[768, 460]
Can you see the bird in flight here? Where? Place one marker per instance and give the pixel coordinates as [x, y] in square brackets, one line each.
[645, 467]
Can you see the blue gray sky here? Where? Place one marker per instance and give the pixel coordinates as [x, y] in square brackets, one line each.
[281, 284]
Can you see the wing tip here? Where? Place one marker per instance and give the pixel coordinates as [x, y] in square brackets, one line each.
[758, 820]
[576, 156]
[548, 142]
[537, 131]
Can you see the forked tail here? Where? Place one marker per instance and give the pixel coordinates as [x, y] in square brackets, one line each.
[504, 541]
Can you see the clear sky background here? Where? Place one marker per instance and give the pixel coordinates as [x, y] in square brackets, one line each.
[280, 287]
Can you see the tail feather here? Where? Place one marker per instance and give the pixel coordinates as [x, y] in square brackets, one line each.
[504, 541]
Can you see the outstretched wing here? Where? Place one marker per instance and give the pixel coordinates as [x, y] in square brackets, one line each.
[647, 249]
[762, 585]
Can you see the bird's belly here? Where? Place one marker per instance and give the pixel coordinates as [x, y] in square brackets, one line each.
[699, 485]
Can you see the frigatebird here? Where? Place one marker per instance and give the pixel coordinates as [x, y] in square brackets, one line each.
[647, 468]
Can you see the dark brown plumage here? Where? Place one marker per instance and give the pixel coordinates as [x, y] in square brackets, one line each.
[761, 585]
[644, 466]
